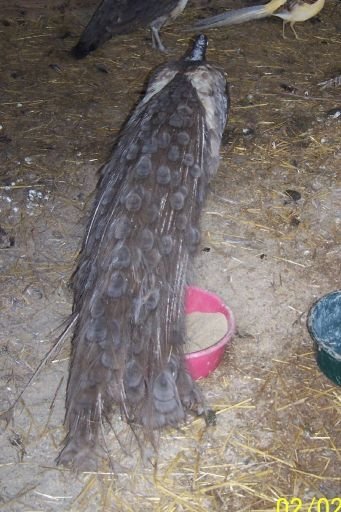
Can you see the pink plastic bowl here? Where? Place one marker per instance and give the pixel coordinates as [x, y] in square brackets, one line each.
[203, 362]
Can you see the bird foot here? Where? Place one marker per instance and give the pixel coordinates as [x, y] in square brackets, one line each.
[160, 47]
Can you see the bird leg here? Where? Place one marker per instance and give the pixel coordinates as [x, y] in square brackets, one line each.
[283, 29]
[155, 27]
[294, 31]
[292, 23]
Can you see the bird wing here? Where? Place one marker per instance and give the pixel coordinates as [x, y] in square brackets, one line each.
[125, 15]
[118, 17]
[291, 5]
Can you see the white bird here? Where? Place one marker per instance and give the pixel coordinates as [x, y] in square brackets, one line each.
[291, 11]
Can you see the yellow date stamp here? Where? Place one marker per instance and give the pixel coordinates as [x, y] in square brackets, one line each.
[314, 505]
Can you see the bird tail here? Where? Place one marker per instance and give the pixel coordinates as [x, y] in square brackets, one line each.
[128, 346]
[238, 16]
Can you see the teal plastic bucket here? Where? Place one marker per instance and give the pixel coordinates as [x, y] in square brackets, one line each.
[324, 325]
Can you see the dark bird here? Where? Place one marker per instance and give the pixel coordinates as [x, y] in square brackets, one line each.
[129, 339]
[291, 11]
[113, 17]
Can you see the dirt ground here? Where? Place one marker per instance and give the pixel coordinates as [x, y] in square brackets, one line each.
[268, 254]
